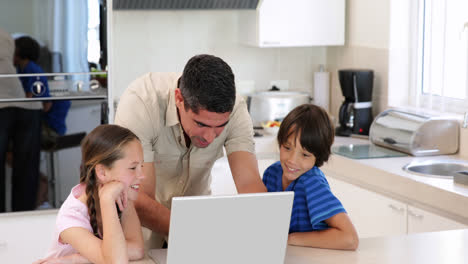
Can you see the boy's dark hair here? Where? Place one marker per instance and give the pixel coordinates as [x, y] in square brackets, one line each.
[315, 128]
[208, 83]
[27, 48]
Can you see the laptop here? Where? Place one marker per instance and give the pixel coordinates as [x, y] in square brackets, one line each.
[243, 228]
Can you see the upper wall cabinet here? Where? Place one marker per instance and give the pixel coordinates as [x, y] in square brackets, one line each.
[294, 23]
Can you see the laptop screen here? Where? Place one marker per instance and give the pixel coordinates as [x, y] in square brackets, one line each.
[244, 228]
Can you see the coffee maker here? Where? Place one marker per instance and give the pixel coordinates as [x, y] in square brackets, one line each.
[355, 116]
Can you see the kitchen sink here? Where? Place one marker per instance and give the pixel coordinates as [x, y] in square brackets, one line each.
[438, 168]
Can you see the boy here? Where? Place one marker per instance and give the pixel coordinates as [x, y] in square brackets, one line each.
[318, 218]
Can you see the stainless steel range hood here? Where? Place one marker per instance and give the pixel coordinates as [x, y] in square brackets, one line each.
[183, 4]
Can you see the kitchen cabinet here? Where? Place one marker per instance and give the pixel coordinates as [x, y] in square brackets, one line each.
[26, 237]
[294, 23]
[420, 220]
[374, 214]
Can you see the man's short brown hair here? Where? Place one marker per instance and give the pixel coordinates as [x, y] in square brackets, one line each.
[314, 127]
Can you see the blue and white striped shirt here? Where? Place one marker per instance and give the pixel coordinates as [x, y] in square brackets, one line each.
[313, 200]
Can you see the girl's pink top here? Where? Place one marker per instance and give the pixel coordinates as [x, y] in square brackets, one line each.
[72, 213]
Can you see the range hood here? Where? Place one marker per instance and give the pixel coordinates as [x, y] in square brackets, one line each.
[183, 4]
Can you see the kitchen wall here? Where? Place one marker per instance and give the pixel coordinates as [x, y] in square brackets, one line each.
[9, 20]
[153, 40]
[164, 40]
[367, 47]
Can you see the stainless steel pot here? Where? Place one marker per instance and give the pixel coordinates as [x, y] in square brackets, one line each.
[274, 105]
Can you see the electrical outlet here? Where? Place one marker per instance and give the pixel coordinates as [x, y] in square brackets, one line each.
[283, 85]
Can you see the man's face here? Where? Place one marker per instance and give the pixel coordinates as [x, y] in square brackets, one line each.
[201, 128]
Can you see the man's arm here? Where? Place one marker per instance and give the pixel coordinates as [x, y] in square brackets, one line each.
[152, 214]
[244, 169]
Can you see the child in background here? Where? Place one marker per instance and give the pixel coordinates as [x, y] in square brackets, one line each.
[318, 218]
[27, 51]
[98, 222]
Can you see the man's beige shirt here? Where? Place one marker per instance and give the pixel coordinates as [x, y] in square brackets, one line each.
[148, 108]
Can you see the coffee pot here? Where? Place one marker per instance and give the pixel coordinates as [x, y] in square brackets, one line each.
[355, 113]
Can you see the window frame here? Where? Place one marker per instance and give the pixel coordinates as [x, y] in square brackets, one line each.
[426, 100]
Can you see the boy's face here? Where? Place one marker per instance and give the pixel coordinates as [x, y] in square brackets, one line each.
[295, 160]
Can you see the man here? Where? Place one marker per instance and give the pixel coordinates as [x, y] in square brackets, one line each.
[183, 123]
[20, 131]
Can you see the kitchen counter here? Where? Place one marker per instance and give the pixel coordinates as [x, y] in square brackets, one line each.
[386, 176]
[437, 247]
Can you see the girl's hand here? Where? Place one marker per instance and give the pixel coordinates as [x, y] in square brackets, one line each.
[114, 191]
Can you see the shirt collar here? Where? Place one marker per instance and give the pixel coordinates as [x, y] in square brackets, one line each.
[172, 117]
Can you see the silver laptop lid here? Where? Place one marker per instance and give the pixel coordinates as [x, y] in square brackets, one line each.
[244, 228]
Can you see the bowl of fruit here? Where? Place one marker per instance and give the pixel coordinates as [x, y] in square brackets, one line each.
[271, 127]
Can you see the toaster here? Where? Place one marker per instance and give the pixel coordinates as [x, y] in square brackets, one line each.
[415, 134]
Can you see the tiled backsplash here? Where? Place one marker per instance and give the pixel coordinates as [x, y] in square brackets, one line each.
[359, 58]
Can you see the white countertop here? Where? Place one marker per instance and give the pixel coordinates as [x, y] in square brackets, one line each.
[386, 176]
[394, 165]
[436, 247]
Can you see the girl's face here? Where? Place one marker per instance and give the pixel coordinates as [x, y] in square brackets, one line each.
[129, 169]
[295, 160]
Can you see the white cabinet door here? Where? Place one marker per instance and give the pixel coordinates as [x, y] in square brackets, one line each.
[372, 214]
[420, 220]
[294, 23]
[26, 236]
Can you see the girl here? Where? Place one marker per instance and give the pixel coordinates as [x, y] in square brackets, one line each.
[98, 222]
[318, 219]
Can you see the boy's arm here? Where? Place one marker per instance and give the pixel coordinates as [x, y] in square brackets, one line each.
[341, 234]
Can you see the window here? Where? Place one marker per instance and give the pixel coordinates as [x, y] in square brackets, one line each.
[94, 44]
[442, 82]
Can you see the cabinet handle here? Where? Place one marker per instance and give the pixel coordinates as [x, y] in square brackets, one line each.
[397, 208]
[420, 216]
[266, 42]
